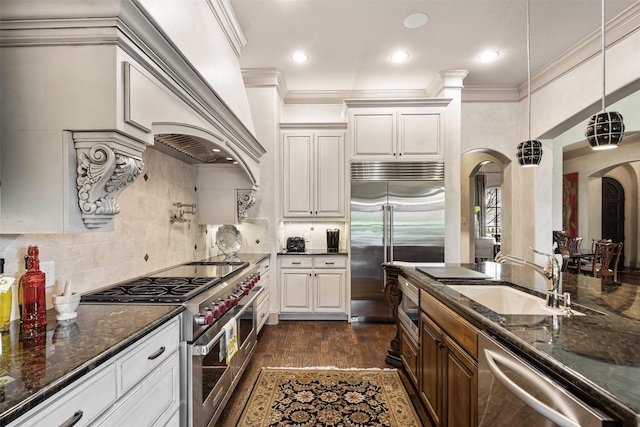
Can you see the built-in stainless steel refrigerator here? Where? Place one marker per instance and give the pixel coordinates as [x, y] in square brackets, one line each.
[397, 214]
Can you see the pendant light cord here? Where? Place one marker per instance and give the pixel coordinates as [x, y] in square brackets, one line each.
[604, 77]
[529, 64]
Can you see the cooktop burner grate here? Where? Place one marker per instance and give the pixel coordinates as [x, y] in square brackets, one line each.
[153, 289]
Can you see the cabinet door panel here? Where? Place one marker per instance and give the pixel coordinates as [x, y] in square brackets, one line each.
[330, 293]
[329, 173]
[419, 134]
[373, 135]
[297, 165]
[462, 386]
[431, 375]
[295, 291]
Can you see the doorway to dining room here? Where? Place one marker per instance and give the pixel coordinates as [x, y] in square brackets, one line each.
[613, 208]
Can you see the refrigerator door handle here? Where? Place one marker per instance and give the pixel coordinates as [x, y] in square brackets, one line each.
[385, 258]
[391, 243]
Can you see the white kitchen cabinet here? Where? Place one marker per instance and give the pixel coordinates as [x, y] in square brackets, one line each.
[313, 164]
[313, 286]
[384, 131]
[262, 304]
[139, 386]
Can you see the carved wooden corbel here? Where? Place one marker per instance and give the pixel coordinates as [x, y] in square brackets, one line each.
[107, 162]
[245, 199]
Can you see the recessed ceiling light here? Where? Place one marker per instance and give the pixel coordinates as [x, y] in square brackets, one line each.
[399, 56]
[489, 55]
[230, 158]
[416, 20]
[299, 57]
[216, 150]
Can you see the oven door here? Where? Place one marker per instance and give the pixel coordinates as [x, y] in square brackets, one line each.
[211, 379]
[409, 308]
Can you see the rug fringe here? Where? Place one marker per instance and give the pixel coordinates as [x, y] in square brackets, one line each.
[334, 368]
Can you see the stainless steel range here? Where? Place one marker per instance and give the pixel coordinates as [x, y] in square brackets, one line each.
[215, 295]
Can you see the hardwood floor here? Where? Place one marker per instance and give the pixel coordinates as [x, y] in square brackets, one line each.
[317, 343]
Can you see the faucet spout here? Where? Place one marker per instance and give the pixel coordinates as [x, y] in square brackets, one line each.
[551, 273]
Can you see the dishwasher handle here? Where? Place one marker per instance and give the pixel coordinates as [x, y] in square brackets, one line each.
[525, 397]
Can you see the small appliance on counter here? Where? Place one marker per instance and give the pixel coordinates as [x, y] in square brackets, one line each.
[333, 239]
[295, 244]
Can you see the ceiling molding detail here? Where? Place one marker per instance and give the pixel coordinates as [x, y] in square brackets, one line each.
[618, 29]
[448, 79]
[228, 21]
[306, 126]
[265, 77]
[490, 94]
[397, 102]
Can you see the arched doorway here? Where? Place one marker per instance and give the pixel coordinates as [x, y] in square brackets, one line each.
[613, 208]
[492, 194]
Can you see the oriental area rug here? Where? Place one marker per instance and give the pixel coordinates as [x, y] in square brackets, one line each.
[329, 397]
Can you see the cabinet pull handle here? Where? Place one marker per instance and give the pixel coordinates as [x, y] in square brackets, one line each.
[73, 420]
[329, 263]
[156, 354]
[295, 263]
[262, 315]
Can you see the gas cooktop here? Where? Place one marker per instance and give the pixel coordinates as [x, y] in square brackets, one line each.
[174, 285]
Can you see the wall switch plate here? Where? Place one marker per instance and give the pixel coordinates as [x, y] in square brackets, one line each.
[49, 269]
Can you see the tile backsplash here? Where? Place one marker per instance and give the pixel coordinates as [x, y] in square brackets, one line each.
[314, 233]
[143, 240]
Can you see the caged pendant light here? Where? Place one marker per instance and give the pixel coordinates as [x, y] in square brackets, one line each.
[604, 129]
[529, 152]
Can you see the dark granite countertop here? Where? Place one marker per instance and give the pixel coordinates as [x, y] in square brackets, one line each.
[39, 363]
[597, 356]
[312, 252]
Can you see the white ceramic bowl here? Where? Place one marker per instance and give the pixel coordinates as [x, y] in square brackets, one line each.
[66, 306]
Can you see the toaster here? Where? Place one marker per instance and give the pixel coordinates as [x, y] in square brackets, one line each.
[295, 244]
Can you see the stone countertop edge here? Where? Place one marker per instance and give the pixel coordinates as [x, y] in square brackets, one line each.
[320, 252]
[490, 321]
[63, 377]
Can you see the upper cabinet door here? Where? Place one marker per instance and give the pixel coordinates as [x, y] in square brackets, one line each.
[397, 134]
[313, 167]
[298, 174]
[420, 134]
[373, 135]
[329, 175]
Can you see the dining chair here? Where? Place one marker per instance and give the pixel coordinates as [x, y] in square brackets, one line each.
[575, 255]
[606, 256]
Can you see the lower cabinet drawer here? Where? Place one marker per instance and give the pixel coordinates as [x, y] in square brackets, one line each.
[409, 355]
[81, 403]
[262, 312]
[155, 401]
[298, 261]
[147, 355]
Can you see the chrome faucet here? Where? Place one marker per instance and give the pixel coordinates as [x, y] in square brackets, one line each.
[551, 273]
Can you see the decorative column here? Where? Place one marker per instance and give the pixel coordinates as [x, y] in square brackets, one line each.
[393, 298]
[107, 163]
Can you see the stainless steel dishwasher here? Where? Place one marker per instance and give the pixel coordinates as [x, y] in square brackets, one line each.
[511, 392]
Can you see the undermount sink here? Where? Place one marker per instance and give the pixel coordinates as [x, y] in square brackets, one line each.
[509, 301]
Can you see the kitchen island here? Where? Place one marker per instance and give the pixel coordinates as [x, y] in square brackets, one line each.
[596, 356]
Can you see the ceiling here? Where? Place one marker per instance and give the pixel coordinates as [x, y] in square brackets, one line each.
[349, 42]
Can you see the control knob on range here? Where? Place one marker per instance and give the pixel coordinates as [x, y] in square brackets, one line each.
[199, 319]
[215, 310]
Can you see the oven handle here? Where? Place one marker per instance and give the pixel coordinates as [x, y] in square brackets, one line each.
[204, 349]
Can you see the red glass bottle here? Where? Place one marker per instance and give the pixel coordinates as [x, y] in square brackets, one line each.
[34, 306]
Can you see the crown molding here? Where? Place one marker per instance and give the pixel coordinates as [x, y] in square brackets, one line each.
[226, 17]
[490, 94]
[305, 97]
[397, 102]
[619, 28]
[323, 125]
[448, 79]
[265, 77]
